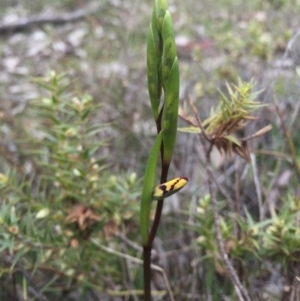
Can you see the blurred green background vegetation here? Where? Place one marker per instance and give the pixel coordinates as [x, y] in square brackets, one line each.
[74, 144]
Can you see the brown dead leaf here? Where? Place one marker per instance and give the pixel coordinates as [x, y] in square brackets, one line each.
[219, 137]
[219, 267]
[228, 147]
[74, 243]
[230, 245]
[227, 128]
[73, 157]
[110, 229]
[242, 151]
[82, 215]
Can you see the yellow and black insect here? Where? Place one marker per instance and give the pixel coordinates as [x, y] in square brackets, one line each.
[166, 189]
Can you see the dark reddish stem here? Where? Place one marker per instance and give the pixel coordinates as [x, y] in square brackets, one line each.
[147, 272]
[148, 248]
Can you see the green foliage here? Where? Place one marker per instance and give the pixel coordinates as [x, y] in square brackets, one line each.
[240, 103]
[231, 115]
[238, 106]
[49, 219]
[163, 74]
[261, 44]
[281, 237]
[275, 238]
[149, 183]
[60, 162]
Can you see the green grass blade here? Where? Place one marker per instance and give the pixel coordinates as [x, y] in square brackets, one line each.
[160, 9]
[170, 114]
[149, 183]
[154, 83]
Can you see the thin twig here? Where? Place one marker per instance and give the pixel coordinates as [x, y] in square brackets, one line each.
[199, 123]
[129, 270]
[240, 290]
[130, 243]
[272, 153]
[289, 140]
[237, 209]
[257, 187]
[295, 115]
[279, 67]
[194, 265]
[24, 23]
[34, 290]
[289, 48]
[237, 189]
[223, 190]
[293, 289]
[8, 156]
[139, 261]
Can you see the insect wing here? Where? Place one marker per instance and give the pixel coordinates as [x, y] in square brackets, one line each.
[167, 189]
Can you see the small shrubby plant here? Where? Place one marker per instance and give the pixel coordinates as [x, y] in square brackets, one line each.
[56, 213]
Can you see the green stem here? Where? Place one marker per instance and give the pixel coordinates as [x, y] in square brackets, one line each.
[163, 73]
